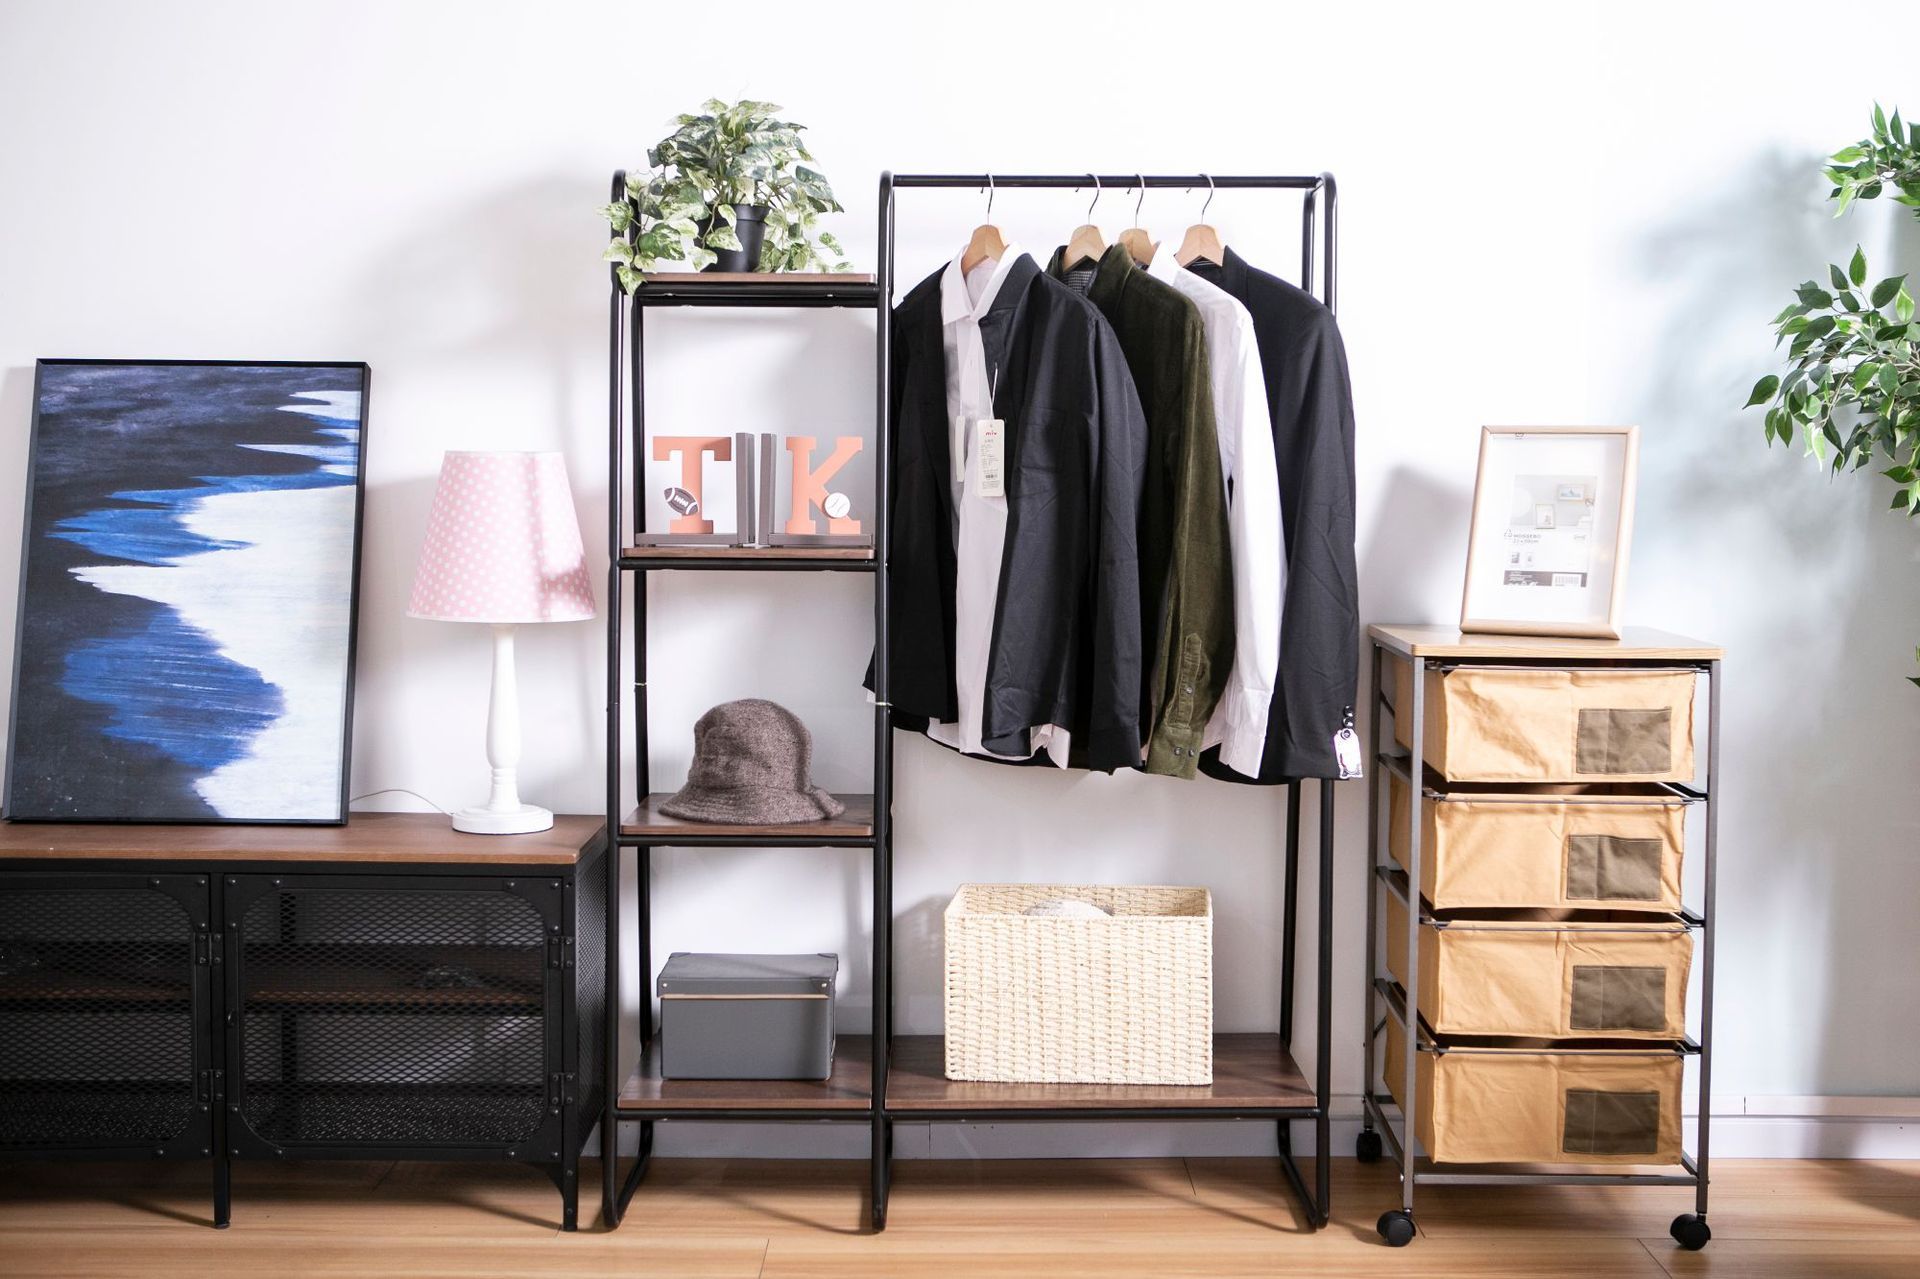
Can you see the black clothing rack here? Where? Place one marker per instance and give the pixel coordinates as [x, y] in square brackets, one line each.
[1275, 1091]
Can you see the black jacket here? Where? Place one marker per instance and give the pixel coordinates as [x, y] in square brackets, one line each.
[1066, 645]
[1311, 404]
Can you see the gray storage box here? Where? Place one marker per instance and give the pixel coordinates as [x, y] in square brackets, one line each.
[747, 1016]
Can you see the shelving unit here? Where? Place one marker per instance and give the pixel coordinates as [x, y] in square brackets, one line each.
[644, 1098]
[882, 1079]
[1426, 648]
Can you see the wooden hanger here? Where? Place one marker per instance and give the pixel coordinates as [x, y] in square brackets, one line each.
[1086, 241]
[1201, 240]
[986, 244]
[1138, 244]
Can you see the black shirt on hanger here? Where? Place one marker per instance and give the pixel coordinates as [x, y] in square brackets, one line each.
[1311, 403]
[1067, 637]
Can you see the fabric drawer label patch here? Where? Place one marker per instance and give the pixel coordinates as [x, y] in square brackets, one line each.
[1613, 868]
[1620, 740]
[1611, 1123]
[1618, 997]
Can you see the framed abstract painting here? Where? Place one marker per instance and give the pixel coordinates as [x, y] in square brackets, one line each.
[188, 592]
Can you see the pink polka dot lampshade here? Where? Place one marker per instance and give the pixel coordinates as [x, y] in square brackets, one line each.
[502, 543]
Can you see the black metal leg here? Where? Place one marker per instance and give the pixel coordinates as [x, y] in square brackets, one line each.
[882, 1170]
[222, 1189]
[565, 1179]
[1323, 1017]
[638, 1173]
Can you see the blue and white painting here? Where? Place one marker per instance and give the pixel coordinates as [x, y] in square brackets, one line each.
[186, 629]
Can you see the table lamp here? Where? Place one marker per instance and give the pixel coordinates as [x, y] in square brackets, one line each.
[502, 547]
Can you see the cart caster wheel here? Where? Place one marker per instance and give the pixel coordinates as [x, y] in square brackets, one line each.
[1367, 1148]
[1396, 1228]
[1690, 1231]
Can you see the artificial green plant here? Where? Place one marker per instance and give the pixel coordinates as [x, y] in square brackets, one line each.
[732, 153]
[1852, 390]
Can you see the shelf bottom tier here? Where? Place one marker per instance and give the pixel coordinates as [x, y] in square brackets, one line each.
[847, 1093]
[1251, 1073]
[81, 1112]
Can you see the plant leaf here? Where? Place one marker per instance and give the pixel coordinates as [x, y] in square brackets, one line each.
[1763, 390]
[1857, 269]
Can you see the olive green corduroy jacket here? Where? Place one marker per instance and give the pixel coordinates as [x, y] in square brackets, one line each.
[1186, 575]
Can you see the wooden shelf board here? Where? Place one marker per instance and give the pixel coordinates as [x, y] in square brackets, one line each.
[747, 554]
[321, 974]
[796, 279]
[648, 821]
[1636, 643]
[849, 1088]
[1249, 1072]
[366, 837]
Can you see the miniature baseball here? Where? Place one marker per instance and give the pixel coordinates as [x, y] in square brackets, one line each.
[837, 505]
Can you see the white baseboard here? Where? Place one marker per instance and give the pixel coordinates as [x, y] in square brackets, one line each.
[1744, 1128]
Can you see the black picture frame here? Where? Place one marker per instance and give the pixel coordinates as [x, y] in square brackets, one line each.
[364, 375]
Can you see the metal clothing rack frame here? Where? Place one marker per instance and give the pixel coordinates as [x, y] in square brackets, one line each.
[1403, 1003]
[864, 1092]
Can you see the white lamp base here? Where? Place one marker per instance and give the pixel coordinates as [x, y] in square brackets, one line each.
[503, 813]
[524, 820]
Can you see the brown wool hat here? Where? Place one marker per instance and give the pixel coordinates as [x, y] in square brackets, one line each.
[752, 763]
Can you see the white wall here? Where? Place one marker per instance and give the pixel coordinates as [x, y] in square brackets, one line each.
[1551, 214]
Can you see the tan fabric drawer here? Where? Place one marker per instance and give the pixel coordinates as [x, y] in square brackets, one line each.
[1521, 1104]
[1526, 724]
[1531, 974]
[1590, 847]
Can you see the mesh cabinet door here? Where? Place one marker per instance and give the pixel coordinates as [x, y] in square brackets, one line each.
[386, 1013]
[103, 1013]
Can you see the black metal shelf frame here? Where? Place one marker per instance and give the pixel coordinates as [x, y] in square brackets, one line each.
[626, 387]
[1402, 1001]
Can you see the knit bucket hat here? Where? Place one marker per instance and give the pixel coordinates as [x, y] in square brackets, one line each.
[752, 764]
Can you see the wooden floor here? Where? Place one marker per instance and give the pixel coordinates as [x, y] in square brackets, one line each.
[1167, 1217]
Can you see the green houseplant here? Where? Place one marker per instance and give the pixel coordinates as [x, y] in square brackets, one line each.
[1852, 387]
[730, 189]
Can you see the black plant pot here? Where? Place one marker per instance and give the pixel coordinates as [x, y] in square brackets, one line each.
[750, 224]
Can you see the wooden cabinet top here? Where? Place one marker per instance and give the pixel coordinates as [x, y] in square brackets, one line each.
[367, 837]
[1636, 643]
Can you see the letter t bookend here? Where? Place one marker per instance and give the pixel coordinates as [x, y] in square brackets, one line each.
[690, 525]
[809, 490]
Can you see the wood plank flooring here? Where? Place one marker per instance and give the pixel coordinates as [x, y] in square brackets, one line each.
[1018, 1219]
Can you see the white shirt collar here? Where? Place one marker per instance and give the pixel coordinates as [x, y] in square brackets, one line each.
[955, 305]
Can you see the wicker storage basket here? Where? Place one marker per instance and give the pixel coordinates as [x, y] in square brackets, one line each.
[1537, 973]
[1523, 724]
[1053, 1000]
[1539, 1102]
[1604, 846]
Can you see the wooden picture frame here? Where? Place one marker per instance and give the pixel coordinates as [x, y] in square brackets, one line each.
[1552, 525]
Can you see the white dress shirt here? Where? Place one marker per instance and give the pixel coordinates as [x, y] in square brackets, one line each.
[1239, 723]
[980, 532]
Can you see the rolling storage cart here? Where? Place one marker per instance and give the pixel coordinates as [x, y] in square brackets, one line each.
[1538, 940]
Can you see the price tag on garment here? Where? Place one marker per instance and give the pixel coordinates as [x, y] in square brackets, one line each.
[990, 446]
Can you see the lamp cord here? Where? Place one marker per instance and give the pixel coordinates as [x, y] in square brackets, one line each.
[401, 790]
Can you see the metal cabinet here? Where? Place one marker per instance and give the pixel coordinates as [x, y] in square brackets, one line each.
[385, 990]
[104, 1025]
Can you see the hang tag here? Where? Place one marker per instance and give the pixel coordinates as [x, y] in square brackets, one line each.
[957, 447]
[991, 448]
[1346, 749]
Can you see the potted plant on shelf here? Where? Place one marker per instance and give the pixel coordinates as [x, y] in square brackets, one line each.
[727, 190]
